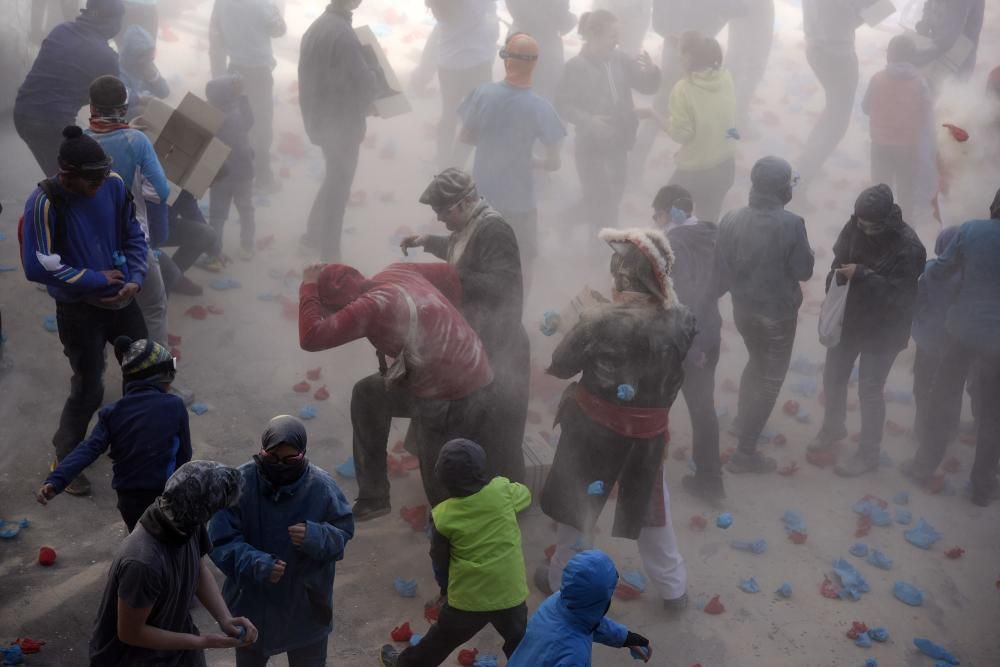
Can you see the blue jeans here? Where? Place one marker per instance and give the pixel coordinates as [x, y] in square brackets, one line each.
[313, 655]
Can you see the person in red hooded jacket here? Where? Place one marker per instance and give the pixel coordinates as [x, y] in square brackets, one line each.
[432, 365]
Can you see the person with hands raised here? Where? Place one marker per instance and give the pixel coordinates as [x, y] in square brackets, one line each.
[280, 575]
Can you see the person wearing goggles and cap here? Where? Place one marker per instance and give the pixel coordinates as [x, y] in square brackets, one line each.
[82, 241]
[146, 431]
[279, 547]
[504, 120]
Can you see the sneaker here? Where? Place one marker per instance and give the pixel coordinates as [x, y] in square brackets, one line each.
[822, 444]
[366, 510]
[709, 489]
[740, 463]
[541, 579]
[677, 605]
[246, 254]
[857, 465]
[212, 264]
[187, 287]
[388, 656]
[909, 471]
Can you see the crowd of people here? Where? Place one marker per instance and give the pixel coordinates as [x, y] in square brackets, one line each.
[451, 348]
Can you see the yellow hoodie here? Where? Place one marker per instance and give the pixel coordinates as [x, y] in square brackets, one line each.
[702, 109]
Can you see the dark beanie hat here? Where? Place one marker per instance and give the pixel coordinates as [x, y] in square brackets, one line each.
[144, 359]
[461, 467]
[108, 92]
[875, 203]
[448, 188]
[79, 152]
[106, 7]
[284, 430]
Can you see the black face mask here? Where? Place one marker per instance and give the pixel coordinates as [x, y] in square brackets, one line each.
[281, 474]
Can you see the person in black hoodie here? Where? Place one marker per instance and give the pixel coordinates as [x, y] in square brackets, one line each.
[693, 242]
[595, 95]
[761, 257]
[882, 258]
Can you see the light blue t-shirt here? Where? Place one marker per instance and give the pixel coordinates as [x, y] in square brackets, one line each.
[506, 122]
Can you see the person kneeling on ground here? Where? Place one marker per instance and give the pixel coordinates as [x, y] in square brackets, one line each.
[477, 558]
[145, 614]
[563, 629]
[279, 548]
[146, 429]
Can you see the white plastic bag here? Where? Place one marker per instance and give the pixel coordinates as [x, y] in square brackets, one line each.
[831, 315]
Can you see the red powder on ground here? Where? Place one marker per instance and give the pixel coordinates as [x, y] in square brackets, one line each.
[714, 607]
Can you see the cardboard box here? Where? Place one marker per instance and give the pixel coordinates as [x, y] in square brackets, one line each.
[184, 140]
[874, 14]
[389, 100]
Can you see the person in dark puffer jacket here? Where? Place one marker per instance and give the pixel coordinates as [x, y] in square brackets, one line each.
[882, 258]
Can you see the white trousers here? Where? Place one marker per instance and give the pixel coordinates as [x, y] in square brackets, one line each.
[661, 559]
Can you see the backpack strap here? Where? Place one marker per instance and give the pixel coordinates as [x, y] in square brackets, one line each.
[50, 188]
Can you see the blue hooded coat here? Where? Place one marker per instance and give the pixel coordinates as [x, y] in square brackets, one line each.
[249, 538]
[562, 631]
[138, 49]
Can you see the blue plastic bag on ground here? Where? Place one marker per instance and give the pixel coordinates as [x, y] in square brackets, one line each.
[859, 550]
[406, 588]
[199, 408]
[879, 560]
[635, 579]
[725, 520]
[346, 469]
[908, 594]
[903, 517]
[485, 661]
[749, 585]
[307, 412]
[757, 546]
[922, 535]
[853, 585]
[794, 522]
[881, 635]
[863, 640]
[929, 648]
[871, 662]
[785, 590]
[595, 488]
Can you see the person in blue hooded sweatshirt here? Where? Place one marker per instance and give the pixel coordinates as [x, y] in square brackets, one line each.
[74, 54]
[139, 72]
[561, 633]
[279, 548]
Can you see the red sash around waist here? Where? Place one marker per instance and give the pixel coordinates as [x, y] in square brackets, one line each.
[625, 421]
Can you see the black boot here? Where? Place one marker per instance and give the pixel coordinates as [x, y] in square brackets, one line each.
[368, 509]
[709, 489]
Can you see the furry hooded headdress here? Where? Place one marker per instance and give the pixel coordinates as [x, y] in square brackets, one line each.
[646, 259]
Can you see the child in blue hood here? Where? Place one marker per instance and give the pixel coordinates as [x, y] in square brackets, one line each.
[562, 632]
[234, 184]
[138, 70]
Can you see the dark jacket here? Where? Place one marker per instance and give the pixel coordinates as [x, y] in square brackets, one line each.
[974, 318]
[337, 85]
[945, 21]
[934, 298]
[592, 88]
[883, 291]
[489, 269]
[562, 631]
[831, 25]
[693, 274]
[74, 54]
[672, 17]
[235, 130]
[148, 435]
[249, 538]
[763, 250]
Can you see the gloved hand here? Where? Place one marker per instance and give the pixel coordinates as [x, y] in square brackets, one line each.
[634, 639]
